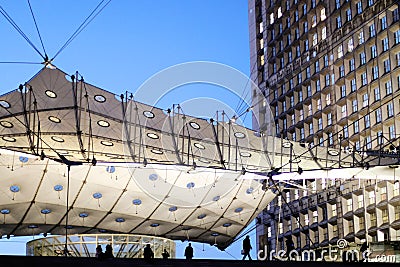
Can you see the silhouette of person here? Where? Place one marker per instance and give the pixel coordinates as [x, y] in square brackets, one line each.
[165, 255]
[289, 247]
[189, 252]
[99, 252]
[246, 247]
[363, 248]
[148, 253]
[108, 254]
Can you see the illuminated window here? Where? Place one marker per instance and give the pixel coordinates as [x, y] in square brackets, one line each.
[359, 7]
[271, 18]
[334, 210]
[352, 64]
[392, 132]
[383, 23]
[388, 87]
[373, 219]
[385, 216]
[340, 51]
[279, 12]
[315, 216]
[396, 190]
[323, 15]
[386, 65]
[372, 31]
[349, 204]
[323, 33]
[348, 14]
[361, 38]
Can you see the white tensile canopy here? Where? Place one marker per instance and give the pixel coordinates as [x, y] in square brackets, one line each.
[133, 168]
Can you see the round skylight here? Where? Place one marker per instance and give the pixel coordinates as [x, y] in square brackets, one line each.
[54, 119]
[154, 224]
[237, 210]
[201, 216]
[100, 98]
[136, 202]
[156, 151]
[97, 195]
[23, 159]
[32, 226]
[148, 114]
[216, 198]
[239, 135]
[45, 211]
[194, 125]
[245, 154]
[6, 124]
[57, 139]
[9, 139]
[58, 187]
[5, 211]
[110, 169]
[226, 224]
[172, 209]
[106, 143]
[4, 104]
[120, 220]
[152, 135]
[199, 146]
[103, 123]
[153, 177]
[14, 188]
[51, 94]
[249, 190]
[190, 185]
[83, 215]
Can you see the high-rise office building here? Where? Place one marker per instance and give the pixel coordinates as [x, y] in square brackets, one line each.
[330, 70]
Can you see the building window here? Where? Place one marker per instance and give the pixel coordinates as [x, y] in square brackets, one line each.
[369, 142]
[372, 31]
[363, 58]
[330, 139]
[348, 14]
[397, 210]
[349, 204]
[377, 94]
[329, 118]
[299, 78]
[327, 80]
[385, 44]
[383, 23]
[373, 51]
[317, 65]
[352, 64]
[373, 219]
[315, 216]
[319, 105]
[341, 71]
[279, 12]
[338, 22]
[320, 126]
[392, 132]
[305, 27]
[356, 127]
[375, 72]
[326, 61]
[334, 211]
[385, 216]
[311, 129]
[365, 100]
[396, 190]
[346, 131]
[340, 51]
[323, 33]
[353, 85]
[328, 99]
[317, 85]
[298, 53]
[386, 65]
[290, 57]
[271, 18]
[344, 111]
[397, 37]
[398, 60]
[306, 46]
[280, 228]
[304, 9]
[367, 121]
[395, 15]
[360, 201]
[361, 38]
[390, 109]
[378, 115]
[364, 80]
[315, 39]
[323, 15]
[359, 7]
[337, 4]
[300, 96]
[371, 197]
[302, 133]
[388, 87]
[343, 91]
[354, 105]
[296, 15]
[370, 2]
[383, 193]
[350, 45]
[361, 223]
[297, 33]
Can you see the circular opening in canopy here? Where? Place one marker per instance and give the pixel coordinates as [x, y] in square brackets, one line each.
[201, 216]
[23, 159]
[102, 123]
[240, 135]
[110, 169]
[54, 119]
[5, 211]
[148, 114]
[4, 104]
[226, 224]
[156, 151]
[199, 146]
[216, 198]
[172, 209]
[100, 98]
[51, 94]
[14, 188]
[83, 215]
[106, 143]
[57, 139]
[190, 185]
[32, 226]
[136, 202]
[154, 224]
[194, 125]
[45, 211]
[6, 124]
[237, 210]
[97, 195]
[249, 190]
[58, 187]
[120, 220]
[152, 135]
[245, 154]
[9, 139]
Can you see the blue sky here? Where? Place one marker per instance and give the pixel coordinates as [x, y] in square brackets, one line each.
[124, 46]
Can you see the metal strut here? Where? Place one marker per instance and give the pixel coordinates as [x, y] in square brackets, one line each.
[173, 138]
[221, 159]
